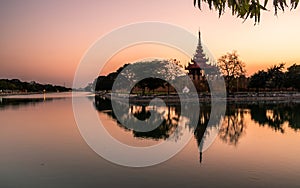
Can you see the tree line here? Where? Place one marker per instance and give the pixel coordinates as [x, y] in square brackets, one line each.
[164, 72]
[275, 78]
[7, 85]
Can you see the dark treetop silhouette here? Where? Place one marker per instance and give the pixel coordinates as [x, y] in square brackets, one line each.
[17, 85]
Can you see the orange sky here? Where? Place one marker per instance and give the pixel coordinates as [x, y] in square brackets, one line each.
[45, 40]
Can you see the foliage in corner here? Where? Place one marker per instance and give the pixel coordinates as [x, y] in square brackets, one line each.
[246, 8]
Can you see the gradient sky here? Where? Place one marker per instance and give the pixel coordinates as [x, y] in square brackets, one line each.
[45, 40]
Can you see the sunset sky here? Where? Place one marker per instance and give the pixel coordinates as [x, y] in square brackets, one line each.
[45, 40]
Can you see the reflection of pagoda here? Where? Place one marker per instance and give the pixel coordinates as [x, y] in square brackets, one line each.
[199, 63]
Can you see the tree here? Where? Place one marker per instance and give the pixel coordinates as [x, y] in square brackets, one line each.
[276, 76]
[293, 77]
[258, 80]
[166, 70]
[16, 84]
[177, 70]
[245, 8]
[151, 84]
[231, 67]
[105, 83]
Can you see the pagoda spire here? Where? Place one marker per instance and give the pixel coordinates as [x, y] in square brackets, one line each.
[199, 64]
[200, 57]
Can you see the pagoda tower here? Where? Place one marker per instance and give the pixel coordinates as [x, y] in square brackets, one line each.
[199, 56]
[199, 70]
[198, 62]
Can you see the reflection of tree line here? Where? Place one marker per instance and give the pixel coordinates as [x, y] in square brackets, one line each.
[233, 125]
[273, 115]
[16, 102]
[163, 131]
[169, 123]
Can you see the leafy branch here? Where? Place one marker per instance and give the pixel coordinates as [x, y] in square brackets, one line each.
[246, 8]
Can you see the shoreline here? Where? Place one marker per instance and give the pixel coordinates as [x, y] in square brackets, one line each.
[3, 94]
[232, 97]
[28, 93]
[203, 97]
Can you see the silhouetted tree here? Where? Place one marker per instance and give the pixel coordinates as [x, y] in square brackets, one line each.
[292, 78]
[276, 76]
[105, 83]
[258, 80]
[164, 69]
[231, 67]
[151, 84]
[16, 84]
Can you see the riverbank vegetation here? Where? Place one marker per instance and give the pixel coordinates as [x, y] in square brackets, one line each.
[274, 79]
[17, 86]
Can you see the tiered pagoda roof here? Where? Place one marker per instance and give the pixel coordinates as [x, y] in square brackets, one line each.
[199, 61]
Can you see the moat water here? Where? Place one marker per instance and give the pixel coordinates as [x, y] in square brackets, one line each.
[258, 145]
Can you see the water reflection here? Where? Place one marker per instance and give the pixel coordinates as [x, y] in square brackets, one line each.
[276, 115]
[169, 116]
[17, 102]
[232, 126]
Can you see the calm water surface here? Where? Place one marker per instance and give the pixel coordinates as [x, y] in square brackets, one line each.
[258, 145]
